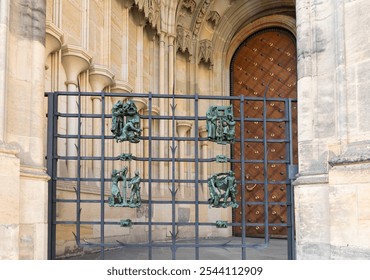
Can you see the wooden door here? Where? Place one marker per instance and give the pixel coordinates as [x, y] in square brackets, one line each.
[264, 71]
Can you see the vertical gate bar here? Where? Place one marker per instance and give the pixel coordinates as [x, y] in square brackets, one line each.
[242, 119]
[51, 170]
[265, 169]
[196, 152]
[150, 253]
[102, 176]
[290, 191]
[78, 171]
[173, 189]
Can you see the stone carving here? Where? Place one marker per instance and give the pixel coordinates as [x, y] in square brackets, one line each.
[118, 197]
[189, 5]
[184, 40]
[125, 122]
[222, 190]
[206, 52]
[201, 15]
[220, 124]
[151, 10]
[214, 18]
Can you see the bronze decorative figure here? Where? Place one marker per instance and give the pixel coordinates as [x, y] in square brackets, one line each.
[135, 199]
[222, 190]
[126, 122]
[221, 224]
[220, 124]
[118, 198]
[126, 223]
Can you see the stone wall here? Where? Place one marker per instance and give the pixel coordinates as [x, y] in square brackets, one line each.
[331, 211]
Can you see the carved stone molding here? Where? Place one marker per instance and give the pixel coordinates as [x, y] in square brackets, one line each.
[189, 5]
[151, 9]
[183, 127]
[214, 18]
[53, 38]
[100, 77]
[206, 52]
[75, 60]
[201, 15]
[184, 40]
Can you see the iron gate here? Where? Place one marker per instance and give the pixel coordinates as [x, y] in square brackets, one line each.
[80, 158]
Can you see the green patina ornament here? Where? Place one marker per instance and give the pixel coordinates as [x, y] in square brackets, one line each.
[125, 122]
[220, 124]
[222, 190]
[221, 224]
[125, 157]
[121, 199]
[125, 223]
[221, 158]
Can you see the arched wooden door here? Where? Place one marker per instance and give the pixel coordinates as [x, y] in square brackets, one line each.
[263, 69]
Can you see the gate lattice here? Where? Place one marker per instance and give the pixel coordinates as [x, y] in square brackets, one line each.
[81, 156]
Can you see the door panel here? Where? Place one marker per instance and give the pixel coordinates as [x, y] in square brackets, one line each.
[265, 66]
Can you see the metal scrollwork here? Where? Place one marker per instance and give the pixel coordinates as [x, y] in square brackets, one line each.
[222, 189]
[121, 199]
[126, 122]
[220, 124]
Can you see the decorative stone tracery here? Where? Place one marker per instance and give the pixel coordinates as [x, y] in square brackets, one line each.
[201, 15]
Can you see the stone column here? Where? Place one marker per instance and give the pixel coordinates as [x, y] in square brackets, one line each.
[74, 60]
[204, 153]
[23, 228]
[100, 77]
[4, 29]
[163, 110]
[182, 127]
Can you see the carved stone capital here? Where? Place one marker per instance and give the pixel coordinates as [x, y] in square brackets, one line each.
[119, 86]
[74, 60]
[183, 127]
[128, 3]
[100, 77]
[206, 52]
[213, 18]
[53, 38]
[189, 5]
[184, 40]
[151, 9]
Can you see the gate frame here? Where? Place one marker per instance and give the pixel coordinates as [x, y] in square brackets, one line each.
[52, 158]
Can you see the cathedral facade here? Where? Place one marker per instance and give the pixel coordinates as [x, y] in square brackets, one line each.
[222, 117]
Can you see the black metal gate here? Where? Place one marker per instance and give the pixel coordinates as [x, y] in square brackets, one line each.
[81, 156]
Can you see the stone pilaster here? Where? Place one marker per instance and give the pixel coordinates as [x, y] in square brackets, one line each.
[100, 78]
[24, 180]
[74, 60]
[333, 131]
